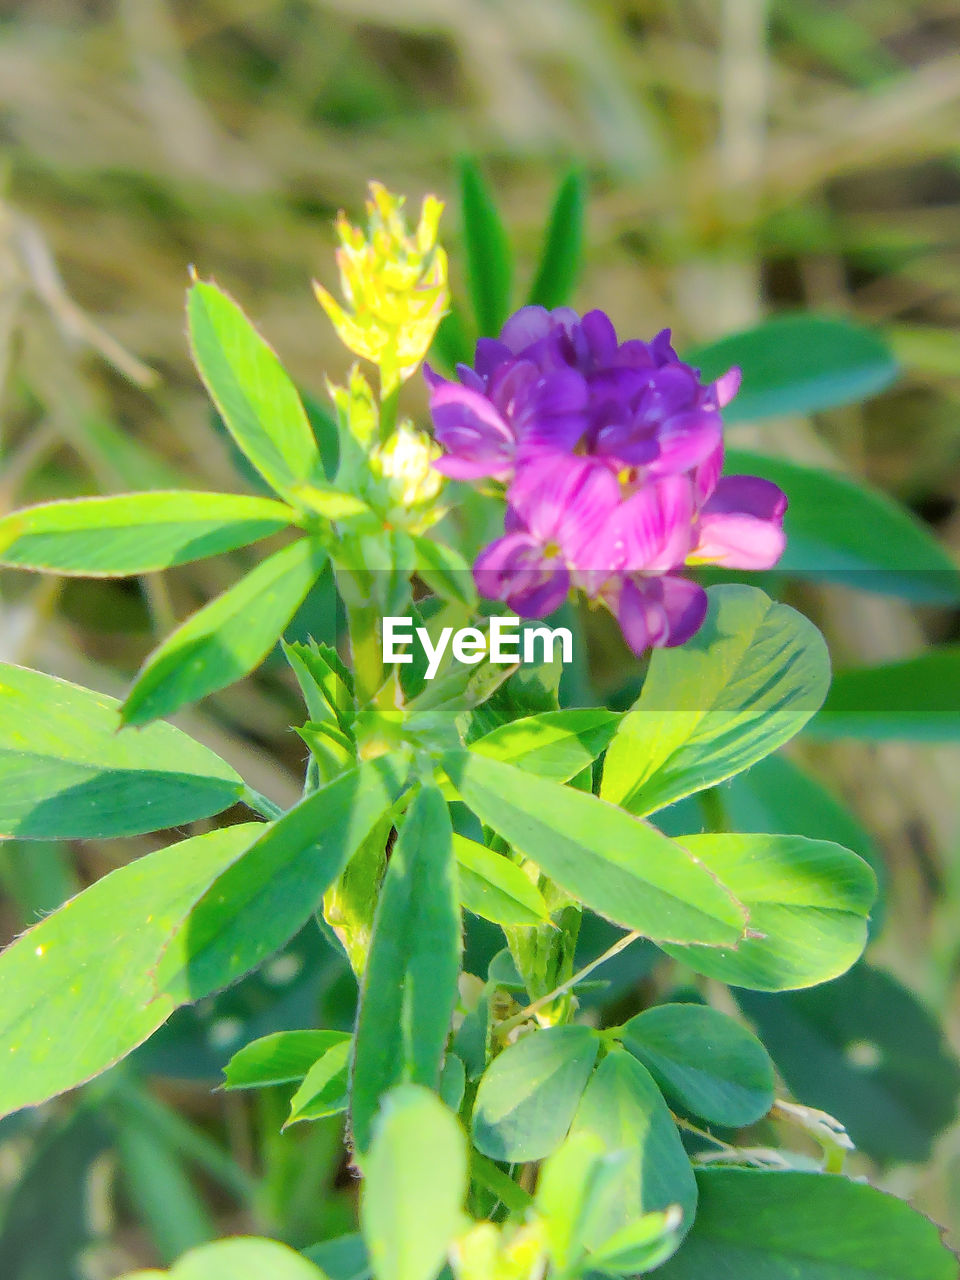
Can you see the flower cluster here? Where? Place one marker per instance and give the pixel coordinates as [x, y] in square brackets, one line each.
[394, 284]
[611, 453]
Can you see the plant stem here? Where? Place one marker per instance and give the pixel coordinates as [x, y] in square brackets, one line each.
[518, 1018]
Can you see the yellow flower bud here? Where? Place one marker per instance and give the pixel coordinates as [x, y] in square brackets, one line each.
[404, 461]
[394, 285]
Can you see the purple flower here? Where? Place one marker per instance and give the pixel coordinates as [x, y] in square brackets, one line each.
[610, 453]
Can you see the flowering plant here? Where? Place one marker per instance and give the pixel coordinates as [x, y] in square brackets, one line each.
[510, 1118]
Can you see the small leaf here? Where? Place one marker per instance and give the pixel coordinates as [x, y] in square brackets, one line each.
[554, 744]
[410, 982]
[69, 772]
[863, 1048]
[808, 902]
[840, 530]
[489, 265]
[798, 364]
[325, 1086]
[415, 1179]
[705, 1061]
[280, 1058]
[228, 637]
[254, 395]
[239, 1258]
[563, 245]
[135, 533]
[343, 1258]
[790, 1226]
[445, 571]
[493, 887]
[619, 867]
[917, 699]
[624, 1109]
[262, 900]
[530, 1092]
[750, 679]
[79, 986]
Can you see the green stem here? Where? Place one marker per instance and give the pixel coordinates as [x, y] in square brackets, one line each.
[261, 804]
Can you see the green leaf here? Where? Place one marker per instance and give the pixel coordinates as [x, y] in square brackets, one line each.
[917, 699]
[325, 1087]
[808, 902]
[705, 1061]
[251, 390]
[530, 1092]
[262, 900]
[623, 1107]
[445, 571]
[415, 1179]
[488, 259]
[280, 1058]
[135, 533]
[228, 637]
[562, 254]
[80, 988]
[863, 1048]
[239, 1258]
[775, 795]
[806, 1226]
[750, 679]
[841, 530]
[493, 887]
[798, 364]
[621, 868]
[69, 772]
[555, 744]
[343, 1258]
[410, 982]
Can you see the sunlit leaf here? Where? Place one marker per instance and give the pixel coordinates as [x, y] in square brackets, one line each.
[488, 258]
[562, 253]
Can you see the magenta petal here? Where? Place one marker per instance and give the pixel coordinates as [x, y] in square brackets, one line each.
[706, 474]
[747, 495]
[736, 540]
[654, 527]
[726, 386]
[659, 612]
[515, 569]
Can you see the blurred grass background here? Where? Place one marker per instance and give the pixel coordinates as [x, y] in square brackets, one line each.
[743, 156]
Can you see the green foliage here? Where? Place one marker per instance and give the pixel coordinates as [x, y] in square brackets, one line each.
[240, 1258]
[808, 904]
[917, 698]
[495, 888]
[703, 1060]
[68, 773]
[228, 637]
[410, 983]
[798, 364]
[255, 398]
[864, 1048]
[751, 677]
[82, 986]
[325, 1088]
[562, 253]
[135, 533]
[553, 744]
[415, 1180]
[530, 1093]
[619, 867]
[778, 1226]
[839, 530]
[625, 1110]
[487, 250]
[280, 1058]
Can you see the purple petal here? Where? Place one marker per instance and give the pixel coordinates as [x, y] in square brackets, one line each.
[470, 378]
[489, 355]
[659, 612]
[750, 495]
[476, 439]
[706, 474]
[515, 569]
[525, 327]
[687, 440]
[566, 500]
[432, 378]
[600, 336]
